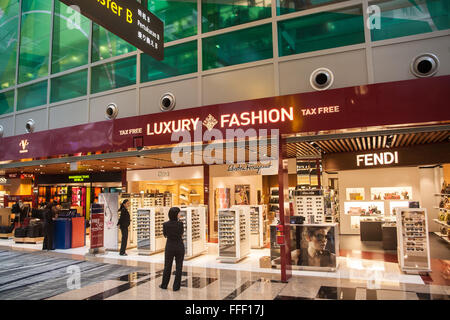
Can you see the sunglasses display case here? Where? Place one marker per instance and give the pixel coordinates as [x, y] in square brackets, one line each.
[310, 204]
[150, 237]
[258, 225]
[194, 236]
[413, 242]
[234, 234]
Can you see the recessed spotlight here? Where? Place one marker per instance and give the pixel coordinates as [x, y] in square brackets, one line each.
[116, 168]
[102, 170]
[103, 160]
[103, 166]
[135, 164]
[41, 165]
[67, 162]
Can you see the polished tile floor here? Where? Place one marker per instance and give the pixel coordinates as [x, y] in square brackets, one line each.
[28, 273]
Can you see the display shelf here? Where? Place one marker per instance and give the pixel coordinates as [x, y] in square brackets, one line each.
[150, 237]
[442, 194]
[442, 236]
[442, 209]
[441, 223]
[355, 194]
[194, 237]
[357, 208]
[310, 204]
[412, 237]
[391, 193]
[257, 224]
[234, 234]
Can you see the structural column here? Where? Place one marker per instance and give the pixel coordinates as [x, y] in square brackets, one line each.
[283, 199]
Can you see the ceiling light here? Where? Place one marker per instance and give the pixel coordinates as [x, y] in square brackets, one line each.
[116, 168]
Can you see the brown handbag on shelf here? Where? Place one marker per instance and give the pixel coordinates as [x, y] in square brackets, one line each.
[355, 210]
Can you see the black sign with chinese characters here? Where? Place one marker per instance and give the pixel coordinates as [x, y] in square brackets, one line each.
[127, 19]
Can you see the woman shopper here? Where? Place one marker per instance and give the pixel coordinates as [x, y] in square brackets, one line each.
[173, 231]
[50, 213]
[124, 223]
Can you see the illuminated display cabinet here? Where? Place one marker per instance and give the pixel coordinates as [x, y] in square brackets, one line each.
[194, 236]
[150, 238]
[412, 238]
[234, 234]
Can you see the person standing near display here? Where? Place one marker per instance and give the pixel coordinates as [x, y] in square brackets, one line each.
[124, 223]
[173, 231]
[50, 213]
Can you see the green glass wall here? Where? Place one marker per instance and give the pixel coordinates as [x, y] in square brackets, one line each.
[113, 75]
[7, 102]
[34, 39]
[70, 38]
[237, 47]
[321, 31]
[401, 18]
[178, 60]
[227, 13]
[32, 96]
[107, 45]
[9, 23]
[289, 6]
[69, 86]
[179, 17]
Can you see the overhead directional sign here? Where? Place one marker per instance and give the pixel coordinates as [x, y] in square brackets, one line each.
[127, 19]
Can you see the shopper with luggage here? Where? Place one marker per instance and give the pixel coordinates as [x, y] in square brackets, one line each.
[50, 214]
[124, 223]
[173, 231]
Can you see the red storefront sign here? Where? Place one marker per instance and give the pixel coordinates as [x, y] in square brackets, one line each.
[401, 102]
[390, 103]
[97, 230]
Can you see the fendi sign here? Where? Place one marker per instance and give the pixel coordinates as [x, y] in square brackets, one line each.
[374, 159]
[431, 154]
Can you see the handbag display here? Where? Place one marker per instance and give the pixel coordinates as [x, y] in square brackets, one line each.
[355, 210]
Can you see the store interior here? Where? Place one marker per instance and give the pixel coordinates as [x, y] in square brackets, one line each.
[231, 210]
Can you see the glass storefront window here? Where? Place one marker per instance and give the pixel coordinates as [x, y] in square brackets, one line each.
[9, 20]
[114, 75]
[69, 86]
[34, 39]
[289, 6]
[179, 17]
[400, 18]
[227, 13]
[32, 96]
[70, 38]
[321, 31]
[178, 60]
[7, 102]
[238, 47]
[107, 45]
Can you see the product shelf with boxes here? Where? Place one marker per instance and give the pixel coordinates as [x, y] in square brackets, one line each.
[150, 238]
[412, 238]
[234, 234]
[274, 206]
[310, 204]
[194, 236]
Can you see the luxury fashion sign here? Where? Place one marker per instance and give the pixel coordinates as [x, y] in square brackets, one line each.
[225, 121]
[127, 19]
